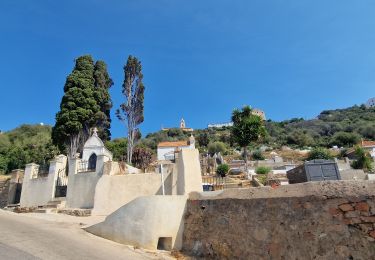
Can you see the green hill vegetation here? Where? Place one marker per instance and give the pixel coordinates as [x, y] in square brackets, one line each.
[26, 144]
[340, 127]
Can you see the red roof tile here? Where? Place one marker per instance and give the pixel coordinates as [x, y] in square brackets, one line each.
[173, 144]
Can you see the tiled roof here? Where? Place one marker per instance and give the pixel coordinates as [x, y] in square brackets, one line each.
[173, 144]
[367, 143]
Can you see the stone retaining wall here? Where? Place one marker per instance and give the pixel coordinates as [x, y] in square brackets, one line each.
[4, 191]
[320, 220]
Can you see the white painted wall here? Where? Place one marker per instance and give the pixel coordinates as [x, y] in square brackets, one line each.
[81, 185]
[166, 153]
[163, 151]
[95, 145]
[144, 220]
[189, 177]
[39, 191]
[114, 191]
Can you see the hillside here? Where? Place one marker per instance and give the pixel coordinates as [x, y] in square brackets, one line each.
[340, 127]
[25, 144]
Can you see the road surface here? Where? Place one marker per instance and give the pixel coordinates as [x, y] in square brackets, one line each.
[25, 237]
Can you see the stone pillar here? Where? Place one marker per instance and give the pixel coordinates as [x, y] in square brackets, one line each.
[15, 185]
[100, 160]
[55, 165]
[73, 169]
[30, 170]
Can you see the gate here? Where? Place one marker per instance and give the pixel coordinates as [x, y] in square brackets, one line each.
[61, 184]
[17, 196]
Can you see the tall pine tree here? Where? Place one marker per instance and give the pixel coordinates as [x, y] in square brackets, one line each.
[102, 84]
[78, 107]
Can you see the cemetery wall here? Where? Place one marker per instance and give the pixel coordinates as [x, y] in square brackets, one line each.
[325, 220]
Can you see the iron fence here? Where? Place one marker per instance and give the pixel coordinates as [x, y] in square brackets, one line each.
[213, 183]
[84, 166]
[61, 183]
[40, 171]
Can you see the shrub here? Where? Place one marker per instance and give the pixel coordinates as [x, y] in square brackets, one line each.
[222, 170]
[262, 170]
[345, 139]
[216, 147]
[257, 155]
[363, 161]
[319, 153]
[262, 179]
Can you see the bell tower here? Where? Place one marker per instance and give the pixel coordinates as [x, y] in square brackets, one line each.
[182, 123]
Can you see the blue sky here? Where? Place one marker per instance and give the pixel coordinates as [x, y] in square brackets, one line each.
[201, 59]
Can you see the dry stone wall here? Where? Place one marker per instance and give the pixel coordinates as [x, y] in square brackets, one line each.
[320, 220]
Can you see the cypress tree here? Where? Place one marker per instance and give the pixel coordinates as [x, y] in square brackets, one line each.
[131, 111]
[78, 107]
[102, 84]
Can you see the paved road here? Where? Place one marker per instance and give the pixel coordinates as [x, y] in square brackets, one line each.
[23, 237]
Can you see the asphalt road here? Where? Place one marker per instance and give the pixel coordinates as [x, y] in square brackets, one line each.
[23, 237]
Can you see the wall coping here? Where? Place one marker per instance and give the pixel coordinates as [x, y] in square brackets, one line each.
[323, 189]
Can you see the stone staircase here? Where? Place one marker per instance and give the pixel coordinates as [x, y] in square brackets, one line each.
[4, 190]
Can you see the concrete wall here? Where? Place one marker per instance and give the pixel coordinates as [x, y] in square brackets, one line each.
[144, 220]
[112, 192]
[39, 191]
[189, 172]
[353, 174]
[315, 220]
[81, 185]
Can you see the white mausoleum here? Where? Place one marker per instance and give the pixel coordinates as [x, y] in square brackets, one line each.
[95, 146]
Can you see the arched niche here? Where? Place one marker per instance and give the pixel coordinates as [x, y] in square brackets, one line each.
[92, 162]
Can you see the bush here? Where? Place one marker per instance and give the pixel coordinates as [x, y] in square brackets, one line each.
[262, 170]
[262, 179]
[216, 147]
[257, 155]
[319, 153]
[363, 161]
[142, 157]
[345, 139]
[222, 170]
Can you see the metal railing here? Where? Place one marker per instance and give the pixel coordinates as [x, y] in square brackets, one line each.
[62, 178]
[61, 183]
[84, 166]
[213, 183]
[40, 171]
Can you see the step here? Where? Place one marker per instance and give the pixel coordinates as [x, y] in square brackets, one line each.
[75, 212]
[45, 210]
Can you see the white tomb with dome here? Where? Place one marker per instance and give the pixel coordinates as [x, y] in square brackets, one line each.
[94, 146]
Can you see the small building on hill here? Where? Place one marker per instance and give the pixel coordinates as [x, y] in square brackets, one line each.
[167, 150]
[182, 127]
[370, 103]
[254, 111]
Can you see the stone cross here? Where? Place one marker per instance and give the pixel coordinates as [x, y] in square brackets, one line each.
[95, 131]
